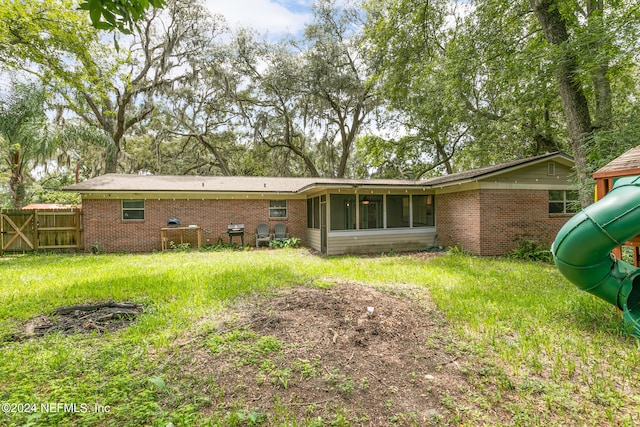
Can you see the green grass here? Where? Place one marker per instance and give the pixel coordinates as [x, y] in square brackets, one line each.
[558, 353]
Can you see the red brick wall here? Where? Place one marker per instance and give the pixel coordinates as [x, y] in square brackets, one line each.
[458, 220]
[509, 216]
[103, 224]
[491, 222]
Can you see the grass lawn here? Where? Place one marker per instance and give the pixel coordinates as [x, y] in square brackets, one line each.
[532, 348]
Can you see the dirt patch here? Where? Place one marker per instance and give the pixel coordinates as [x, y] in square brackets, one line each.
[351, 352]
[82, 319]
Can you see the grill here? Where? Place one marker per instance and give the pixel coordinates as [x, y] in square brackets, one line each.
[235, 230]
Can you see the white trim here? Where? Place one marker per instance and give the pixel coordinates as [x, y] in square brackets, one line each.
[178, 195]
[277, 208]
[143, 209]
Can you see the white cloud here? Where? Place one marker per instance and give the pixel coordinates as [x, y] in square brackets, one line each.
[265, 16]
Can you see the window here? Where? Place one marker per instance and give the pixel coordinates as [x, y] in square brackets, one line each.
[277, 208]
[316, 212]
[423, 211]
[343, 211]
[563, 201]
[309, 213]
[370, 211]
[132, 210]
[397, 211]
[313, 212]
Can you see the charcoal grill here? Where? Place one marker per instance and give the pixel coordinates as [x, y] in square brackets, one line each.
[235, 230]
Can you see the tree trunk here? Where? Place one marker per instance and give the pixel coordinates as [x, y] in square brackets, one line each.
[601, 83]
[111, 160]
[16, 181]
[574, 101]
[602, 90]
[222, 161]
[16, 189]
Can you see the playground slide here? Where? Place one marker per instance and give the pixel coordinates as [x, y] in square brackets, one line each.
[582, 250]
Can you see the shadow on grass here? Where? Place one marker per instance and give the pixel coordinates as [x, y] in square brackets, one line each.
[170, 297]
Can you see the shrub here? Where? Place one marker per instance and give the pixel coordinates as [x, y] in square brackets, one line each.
[291, 242]
[179, 246]
[530, 250]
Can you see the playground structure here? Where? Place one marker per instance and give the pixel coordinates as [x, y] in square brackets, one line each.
[587, 249]
[582, 250]
[628, 164]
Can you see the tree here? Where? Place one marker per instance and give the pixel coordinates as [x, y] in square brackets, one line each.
[307, 100]
[110, 89]
[201, 111]
[338, 78]
[585, 38]
[406, 158]
[273, 103]
[463, 90]
[24, 140]
[574, 100]
[521, 77]
[118, 14]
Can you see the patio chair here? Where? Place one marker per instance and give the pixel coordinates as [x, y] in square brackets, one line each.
[262, 234]
[280, 229]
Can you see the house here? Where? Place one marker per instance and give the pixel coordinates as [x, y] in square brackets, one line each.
[484, 211]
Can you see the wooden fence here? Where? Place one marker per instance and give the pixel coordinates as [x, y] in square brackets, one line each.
[32, 230]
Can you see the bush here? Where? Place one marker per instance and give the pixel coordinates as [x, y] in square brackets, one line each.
[179, 246]
[530, 250]
[292, 242]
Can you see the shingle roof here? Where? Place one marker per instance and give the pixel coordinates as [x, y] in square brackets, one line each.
[231, 184]
[490, 170]
[245, 184]
[48, 206]
[626, 164]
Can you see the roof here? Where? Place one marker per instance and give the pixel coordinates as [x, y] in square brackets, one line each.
[245, 184]
[487, 171]
[626, 164]
[48, 206]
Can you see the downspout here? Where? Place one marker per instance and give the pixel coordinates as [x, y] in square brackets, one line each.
[582, 249]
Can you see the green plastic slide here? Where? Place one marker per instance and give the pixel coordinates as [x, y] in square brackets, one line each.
[582, 249]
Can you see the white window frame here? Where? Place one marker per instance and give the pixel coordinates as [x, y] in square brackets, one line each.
[565, 203]
[133, 209]
[273, 209]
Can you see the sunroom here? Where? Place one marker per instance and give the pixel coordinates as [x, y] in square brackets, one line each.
[370, 220]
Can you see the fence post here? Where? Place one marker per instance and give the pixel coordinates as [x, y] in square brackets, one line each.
[78, 235]
[1, 231]
[36, 233]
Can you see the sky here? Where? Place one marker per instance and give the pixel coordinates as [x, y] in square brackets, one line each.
[273, 17]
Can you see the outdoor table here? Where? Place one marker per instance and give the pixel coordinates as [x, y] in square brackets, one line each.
[165, 239]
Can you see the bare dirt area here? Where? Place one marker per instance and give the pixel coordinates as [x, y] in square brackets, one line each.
[349, 353]
[82, 319]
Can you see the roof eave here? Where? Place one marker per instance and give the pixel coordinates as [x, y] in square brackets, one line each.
[567, 161]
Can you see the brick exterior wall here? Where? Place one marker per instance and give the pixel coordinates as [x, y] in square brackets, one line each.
[103, 224]
[458, 220]
[483, 222]
[491, 222]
